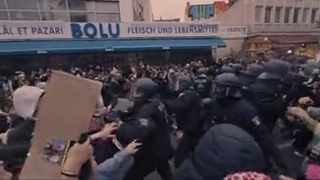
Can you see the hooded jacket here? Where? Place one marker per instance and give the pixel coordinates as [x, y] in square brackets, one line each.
[225, 149]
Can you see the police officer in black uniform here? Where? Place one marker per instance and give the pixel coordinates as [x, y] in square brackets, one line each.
[228, 106]
[227, 69]
[266, 92]
[202, 83]
[237, 68]
[147, 123]
[248, 77]
[186, 108]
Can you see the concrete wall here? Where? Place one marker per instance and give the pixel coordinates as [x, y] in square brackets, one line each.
[234, 16]
[127, 10]
[243, 12]
[291, 27]
[238, 14]
[234, 46]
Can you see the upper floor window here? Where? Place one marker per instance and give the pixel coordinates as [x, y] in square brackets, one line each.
[77, 5]
[82, 17]
[107, 6]
[314, 13]
[277, 14]
[305, 15]
[296, 15]
[54, 16]
[257, 14]
[21, 15]
[22, 4]
[287, 14]
[4, 15]
[267, 16]
[52, 5]
[108, 17]
[2, 4]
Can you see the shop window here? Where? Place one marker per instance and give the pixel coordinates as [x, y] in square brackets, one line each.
[277, 14]
[267, 16]
[314, 13]
[22, 4]
[296, 15]
[287, 14]
[17, 15]
[305, 15]
[55, 16]
[108, 17]
[257, 14]
[53, 5]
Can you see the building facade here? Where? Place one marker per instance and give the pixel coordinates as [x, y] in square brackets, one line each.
[75, 10]
[204, 12]
[277, 25]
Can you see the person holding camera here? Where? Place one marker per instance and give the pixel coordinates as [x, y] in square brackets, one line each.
[113, 168]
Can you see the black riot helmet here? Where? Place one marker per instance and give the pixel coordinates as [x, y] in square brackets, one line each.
[237, 67]
[182, 83]
[226, 85]
[144, 89]
[201, 71]
[227, 69]
[275, 70]
[254, 70]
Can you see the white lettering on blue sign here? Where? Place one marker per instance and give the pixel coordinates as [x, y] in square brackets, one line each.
[90, 30]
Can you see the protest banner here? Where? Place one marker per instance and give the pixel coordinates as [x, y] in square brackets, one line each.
[64, 113]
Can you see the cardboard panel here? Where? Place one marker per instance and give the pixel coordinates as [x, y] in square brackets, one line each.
[65, 112]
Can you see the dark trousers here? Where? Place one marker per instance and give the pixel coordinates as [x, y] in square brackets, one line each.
[302, 139]
[142, 168]
[185, 147]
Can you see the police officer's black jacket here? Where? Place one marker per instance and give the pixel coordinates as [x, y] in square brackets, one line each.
[186, 107]
[241, 113]
[148, 124]
[268, 102]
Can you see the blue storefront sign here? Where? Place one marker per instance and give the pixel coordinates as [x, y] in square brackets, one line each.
[141, 30]
[91, 30]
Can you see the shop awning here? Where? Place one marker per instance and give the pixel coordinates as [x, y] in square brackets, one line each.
[293, 39]
[73, 46]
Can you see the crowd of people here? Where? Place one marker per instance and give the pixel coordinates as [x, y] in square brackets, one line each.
[223, 116]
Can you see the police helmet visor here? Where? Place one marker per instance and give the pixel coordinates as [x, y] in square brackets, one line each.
[200, 87]
[222, 91]
[135, 94]
[177, 86]
[268, 76]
